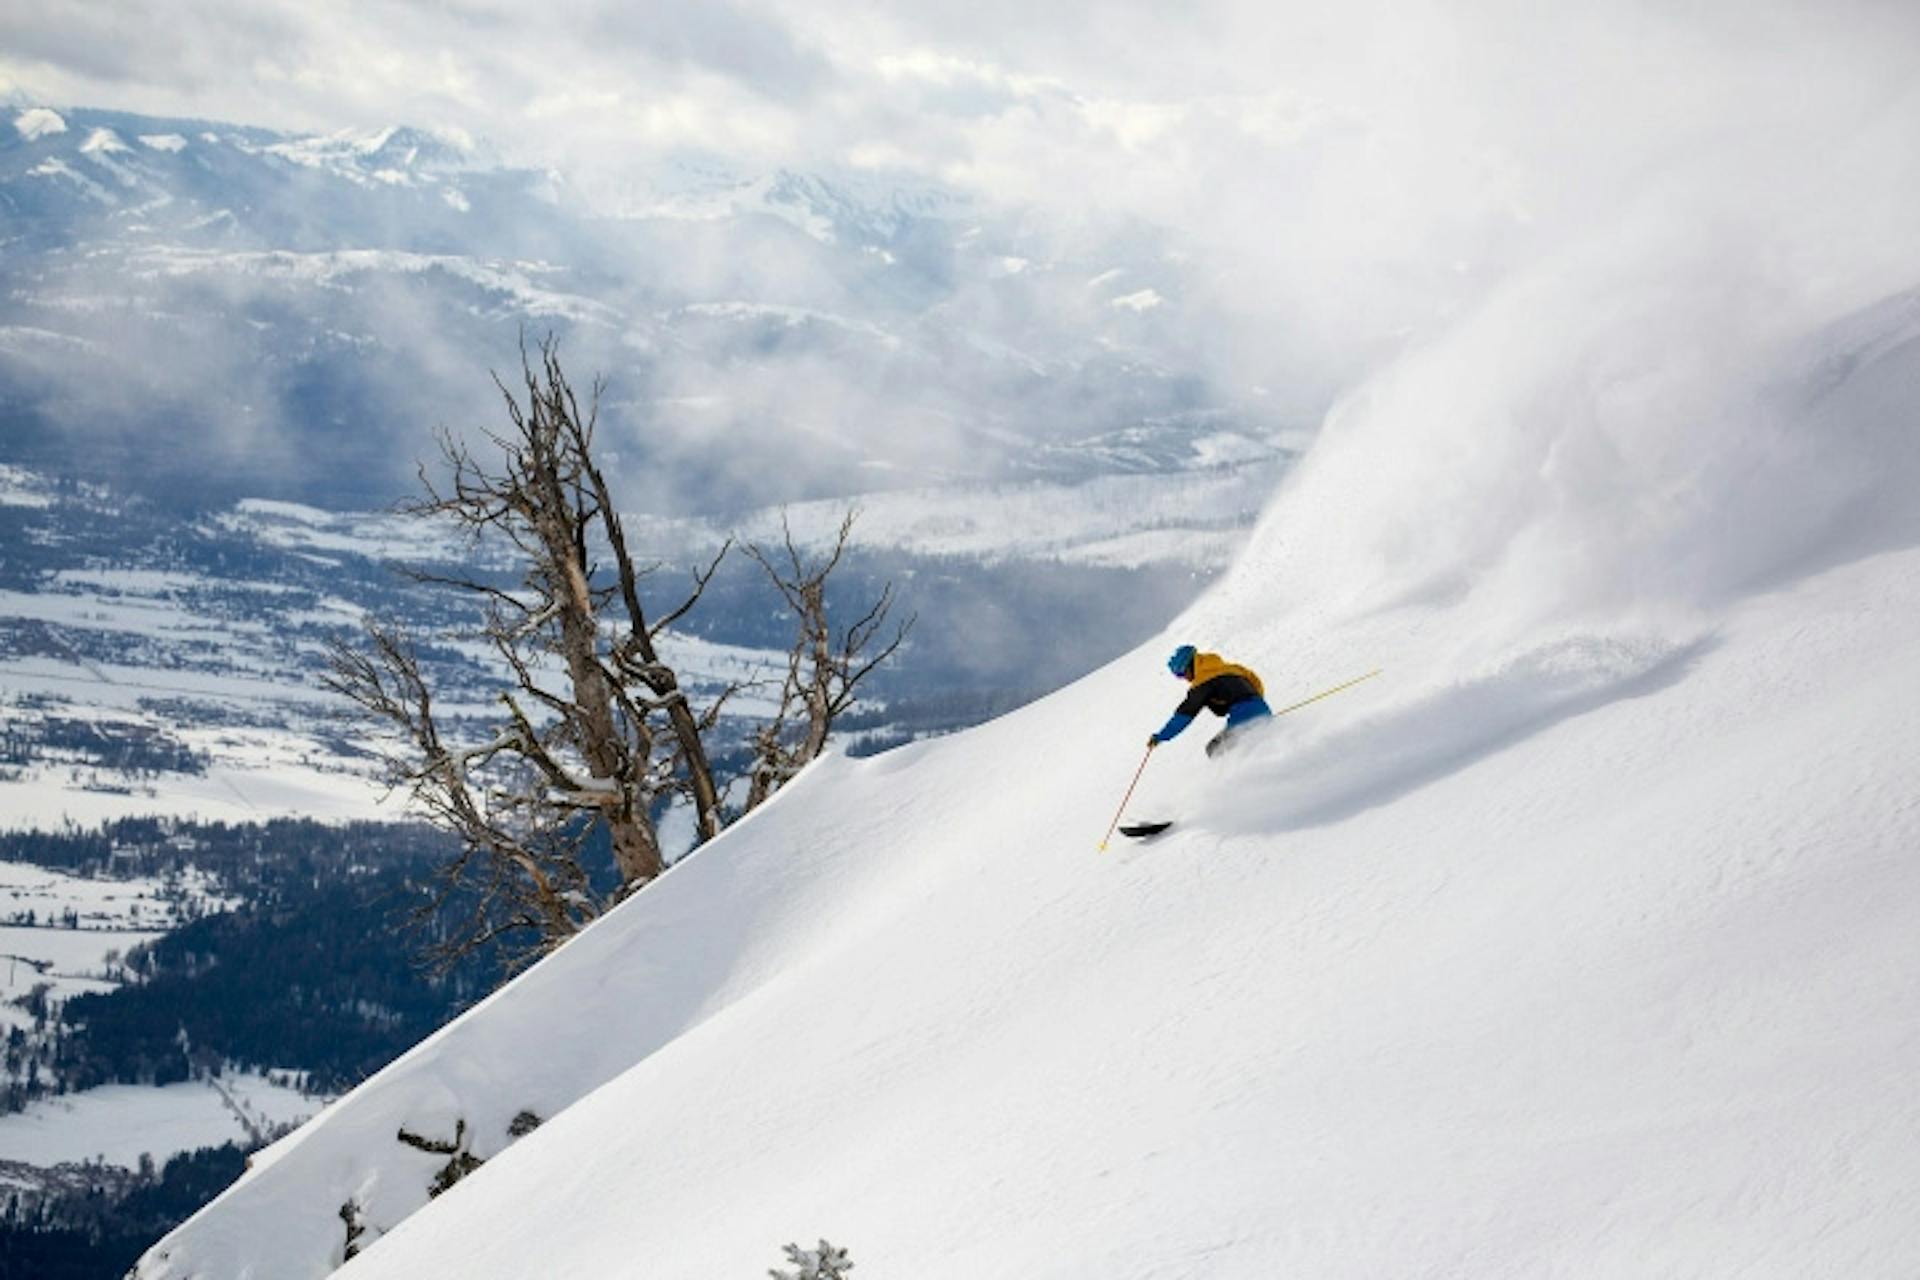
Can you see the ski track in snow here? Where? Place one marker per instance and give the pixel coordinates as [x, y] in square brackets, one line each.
[1326, 763]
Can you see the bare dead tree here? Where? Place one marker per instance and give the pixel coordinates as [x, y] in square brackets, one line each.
[594, 729]
[825, 665]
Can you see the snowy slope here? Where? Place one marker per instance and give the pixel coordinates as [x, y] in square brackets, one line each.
[1580, 943]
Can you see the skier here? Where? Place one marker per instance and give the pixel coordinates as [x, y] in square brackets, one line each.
[1219, 686]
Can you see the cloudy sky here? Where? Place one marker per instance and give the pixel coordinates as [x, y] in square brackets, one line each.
[1347, 173]
[1402, 111]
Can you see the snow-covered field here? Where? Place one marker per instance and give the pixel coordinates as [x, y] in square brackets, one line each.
[141, 902]
[1198, 512]
[1195, 518]
[66, 963]
[22, 488]
[239, 693]
[173, 662]
[297, 526]
[69, 962]
[1579, 943]
[254, 774]
[117, 1124]
[108, 919]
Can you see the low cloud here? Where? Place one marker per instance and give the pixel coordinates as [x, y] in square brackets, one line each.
[1333, 185]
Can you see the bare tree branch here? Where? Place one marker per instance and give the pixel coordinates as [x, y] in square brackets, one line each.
[825, 667]
[578, 744]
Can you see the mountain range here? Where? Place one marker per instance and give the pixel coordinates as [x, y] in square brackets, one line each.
[199, 311]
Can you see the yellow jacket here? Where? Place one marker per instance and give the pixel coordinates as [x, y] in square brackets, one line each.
[1208, 665]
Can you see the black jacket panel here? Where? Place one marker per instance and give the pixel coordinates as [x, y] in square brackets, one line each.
[1218, 695]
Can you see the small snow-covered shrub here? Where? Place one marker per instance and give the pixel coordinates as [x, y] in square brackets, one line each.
[823, 1263]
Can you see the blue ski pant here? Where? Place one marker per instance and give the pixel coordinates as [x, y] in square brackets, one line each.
[1247, 709]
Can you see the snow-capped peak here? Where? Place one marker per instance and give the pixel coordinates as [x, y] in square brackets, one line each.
[39, 122]
[102, 142]
[393, 154]
[855, 209]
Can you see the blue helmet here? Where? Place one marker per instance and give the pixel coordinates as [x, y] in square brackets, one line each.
[1181, 663]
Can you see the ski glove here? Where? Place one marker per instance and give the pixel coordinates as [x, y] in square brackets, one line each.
[1172, 728]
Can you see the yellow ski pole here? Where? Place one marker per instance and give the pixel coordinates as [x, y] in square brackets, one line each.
[1328, 693]
[1123, 799]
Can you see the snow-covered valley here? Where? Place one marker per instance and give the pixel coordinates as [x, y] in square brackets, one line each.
[147, 669]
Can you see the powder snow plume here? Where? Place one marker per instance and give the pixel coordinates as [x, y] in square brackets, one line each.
[1553, 502]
